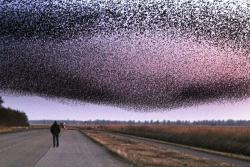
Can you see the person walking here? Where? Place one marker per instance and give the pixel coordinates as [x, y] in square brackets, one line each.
[55, 130]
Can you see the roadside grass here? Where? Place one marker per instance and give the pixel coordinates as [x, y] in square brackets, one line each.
[144, 154]
[12, 129]
[235, 140]
[5, 129]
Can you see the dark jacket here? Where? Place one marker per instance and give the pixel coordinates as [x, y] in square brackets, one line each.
[55, 129]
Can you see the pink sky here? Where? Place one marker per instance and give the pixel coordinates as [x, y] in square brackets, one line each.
[40, 108]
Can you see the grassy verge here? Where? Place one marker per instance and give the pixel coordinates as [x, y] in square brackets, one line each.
[87, 134]
[144, 154]
[224, 154]
[4, 129]
[13, 129]
[231, 140]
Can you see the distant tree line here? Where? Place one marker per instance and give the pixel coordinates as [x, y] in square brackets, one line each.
[152, 122]
[167, 122]
[10, 117]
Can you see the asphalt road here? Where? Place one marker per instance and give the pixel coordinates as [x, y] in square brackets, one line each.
[34, 149]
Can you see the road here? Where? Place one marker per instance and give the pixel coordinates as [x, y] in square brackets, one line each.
[34, 149]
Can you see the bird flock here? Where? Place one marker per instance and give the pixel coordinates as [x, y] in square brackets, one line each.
[131, 53]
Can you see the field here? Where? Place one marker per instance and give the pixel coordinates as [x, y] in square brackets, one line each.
[147, 154]
[225, 139]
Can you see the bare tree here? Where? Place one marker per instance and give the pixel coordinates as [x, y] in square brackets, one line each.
[1, 102]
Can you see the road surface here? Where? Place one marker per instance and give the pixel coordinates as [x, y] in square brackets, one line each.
[34, 149]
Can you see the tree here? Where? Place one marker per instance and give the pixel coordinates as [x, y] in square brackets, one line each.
[11, 117]
[1, 102]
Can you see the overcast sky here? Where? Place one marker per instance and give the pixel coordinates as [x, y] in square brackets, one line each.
[41, 108]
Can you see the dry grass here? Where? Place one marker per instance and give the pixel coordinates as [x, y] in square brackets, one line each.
[148, 155]
[39, 126]
[5, 129]
[226, 139]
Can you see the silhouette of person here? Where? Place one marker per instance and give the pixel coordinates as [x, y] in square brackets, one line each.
[55, 130]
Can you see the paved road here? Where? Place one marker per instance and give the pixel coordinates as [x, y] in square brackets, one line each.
[34, 149]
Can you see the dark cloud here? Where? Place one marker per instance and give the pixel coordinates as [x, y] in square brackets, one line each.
[146, 54]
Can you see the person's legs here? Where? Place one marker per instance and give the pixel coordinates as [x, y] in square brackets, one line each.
[54, 140]
[57, 140]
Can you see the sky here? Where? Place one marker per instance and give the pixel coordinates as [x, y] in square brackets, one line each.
[148, 53]
[39, 108]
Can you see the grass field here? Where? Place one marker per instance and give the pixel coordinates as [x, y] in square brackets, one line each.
[225, 139]
[144, 154]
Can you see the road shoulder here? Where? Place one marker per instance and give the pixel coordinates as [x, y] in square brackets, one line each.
[144, 154]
